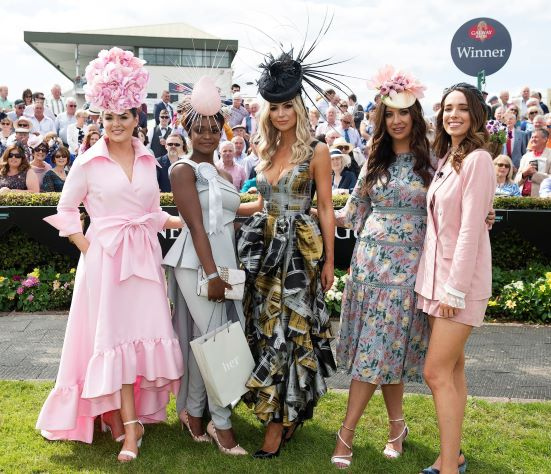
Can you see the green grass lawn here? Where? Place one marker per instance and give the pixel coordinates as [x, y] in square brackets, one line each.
[500, 438]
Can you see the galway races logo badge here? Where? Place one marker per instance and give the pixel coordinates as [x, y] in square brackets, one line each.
[481, 31]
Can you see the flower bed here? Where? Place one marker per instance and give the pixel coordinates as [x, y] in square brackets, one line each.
[524, 300]
[40, 290]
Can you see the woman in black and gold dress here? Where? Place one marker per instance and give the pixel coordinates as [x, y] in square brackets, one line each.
[289, 263]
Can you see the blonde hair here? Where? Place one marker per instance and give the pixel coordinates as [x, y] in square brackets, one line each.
[301, 150]
[509, 177]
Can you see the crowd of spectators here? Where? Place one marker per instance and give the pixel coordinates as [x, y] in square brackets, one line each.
[52, 132]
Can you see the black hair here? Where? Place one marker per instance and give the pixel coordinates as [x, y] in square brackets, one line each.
[189, 119]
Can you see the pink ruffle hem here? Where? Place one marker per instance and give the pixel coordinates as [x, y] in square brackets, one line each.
[153, 366]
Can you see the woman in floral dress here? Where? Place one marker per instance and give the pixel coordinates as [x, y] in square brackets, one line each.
[383, 337]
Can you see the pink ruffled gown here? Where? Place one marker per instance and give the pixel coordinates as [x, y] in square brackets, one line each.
[119, 329]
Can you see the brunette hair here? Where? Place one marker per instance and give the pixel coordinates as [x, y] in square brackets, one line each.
[381, 155]
[62, 151]
[26, 93]
[477, 135]
[182, 139]
[4, 165]
[87, 138]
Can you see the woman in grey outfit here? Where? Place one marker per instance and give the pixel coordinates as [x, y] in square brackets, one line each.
[206, 201]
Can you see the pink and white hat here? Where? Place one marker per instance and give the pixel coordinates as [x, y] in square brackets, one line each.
[398, 89]
[116, 81]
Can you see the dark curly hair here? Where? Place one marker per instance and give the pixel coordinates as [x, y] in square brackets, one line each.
[477, 135]
[382, 155]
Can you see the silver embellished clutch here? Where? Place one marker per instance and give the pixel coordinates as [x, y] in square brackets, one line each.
[236, 278]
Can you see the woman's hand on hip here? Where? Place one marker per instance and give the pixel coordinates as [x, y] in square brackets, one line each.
[327, 276]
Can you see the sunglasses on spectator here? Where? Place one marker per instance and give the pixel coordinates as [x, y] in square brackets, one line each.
[532, 113]
[173, 144]
[15, 155]
[40, 150]
[71, 105]
[341, 147]
[20, 107]
[5, 123]
[58, 156]
[164, 116]
[501, 165]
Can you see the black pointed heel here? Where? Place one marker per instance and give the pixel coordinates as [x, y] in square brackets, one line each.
[261, 454]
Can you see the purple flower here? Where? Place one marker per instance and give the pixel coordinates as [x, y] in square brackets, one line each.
[20, 290]
[16, 278]
[30, 282]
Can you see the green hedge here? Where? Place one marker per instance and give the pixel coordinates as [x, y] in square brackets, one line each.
[51, 199]
[511, 252]
[18, 250]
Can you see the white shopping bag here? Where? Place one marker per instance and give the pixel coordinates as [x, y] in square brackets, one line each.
[225, 362]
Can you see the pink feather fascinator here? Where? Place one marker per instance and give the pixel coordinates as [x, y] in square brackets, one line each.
[398, 89]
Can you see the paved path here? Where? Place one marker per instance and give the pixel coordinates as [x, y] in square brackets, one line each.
[505, 361]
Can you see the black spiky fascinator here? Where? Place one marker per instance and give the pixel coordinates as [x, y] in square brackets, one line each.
[284, 77]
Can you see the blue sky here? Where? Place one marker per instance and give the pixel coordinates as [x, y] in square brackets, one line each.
[414, 36]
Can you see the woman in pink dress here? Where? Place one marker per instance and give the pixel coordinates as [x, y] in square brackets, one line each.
[121, 357]
[454, 279]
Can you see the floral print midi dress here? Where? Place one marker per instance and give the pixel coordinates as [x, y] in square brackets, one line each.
[383, 337]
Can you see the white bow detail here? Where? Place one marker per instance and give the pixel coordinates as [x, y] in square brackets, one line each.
[208, 172]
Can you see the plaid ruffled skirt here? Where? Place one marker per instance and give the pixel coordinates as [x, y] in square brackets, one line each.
[287, 322]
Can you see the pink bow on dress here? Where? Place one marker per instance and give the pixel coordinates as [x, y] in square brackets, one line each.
[137, 239]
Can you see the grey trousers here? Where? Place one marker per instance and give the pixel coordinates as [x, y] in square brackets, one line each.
[201, 310]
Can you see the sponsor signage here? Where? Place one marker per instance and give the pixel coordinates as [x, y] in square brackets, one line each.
[481, 44]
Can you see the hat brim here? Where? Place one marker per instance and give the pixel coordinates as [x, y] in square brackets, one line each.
[348, 146]
[402, 100]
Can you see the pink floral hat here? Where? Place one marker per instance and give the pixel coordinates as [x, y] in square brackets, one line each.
[398, 89]
[116, 81]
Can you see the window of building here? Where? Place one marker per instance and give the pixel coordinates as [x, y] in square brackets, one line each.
[185, 57]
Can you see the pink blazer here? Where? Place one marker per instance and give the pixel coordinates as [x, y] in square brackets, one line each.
[457, 243]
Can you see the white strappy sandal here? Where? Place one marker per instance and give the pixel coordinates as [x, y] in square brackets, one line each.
[131, 454]
[344, 459]
[389, 452]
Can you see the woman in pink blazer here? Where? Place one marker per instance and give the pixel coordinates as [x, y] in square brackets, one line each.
[454, 279]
